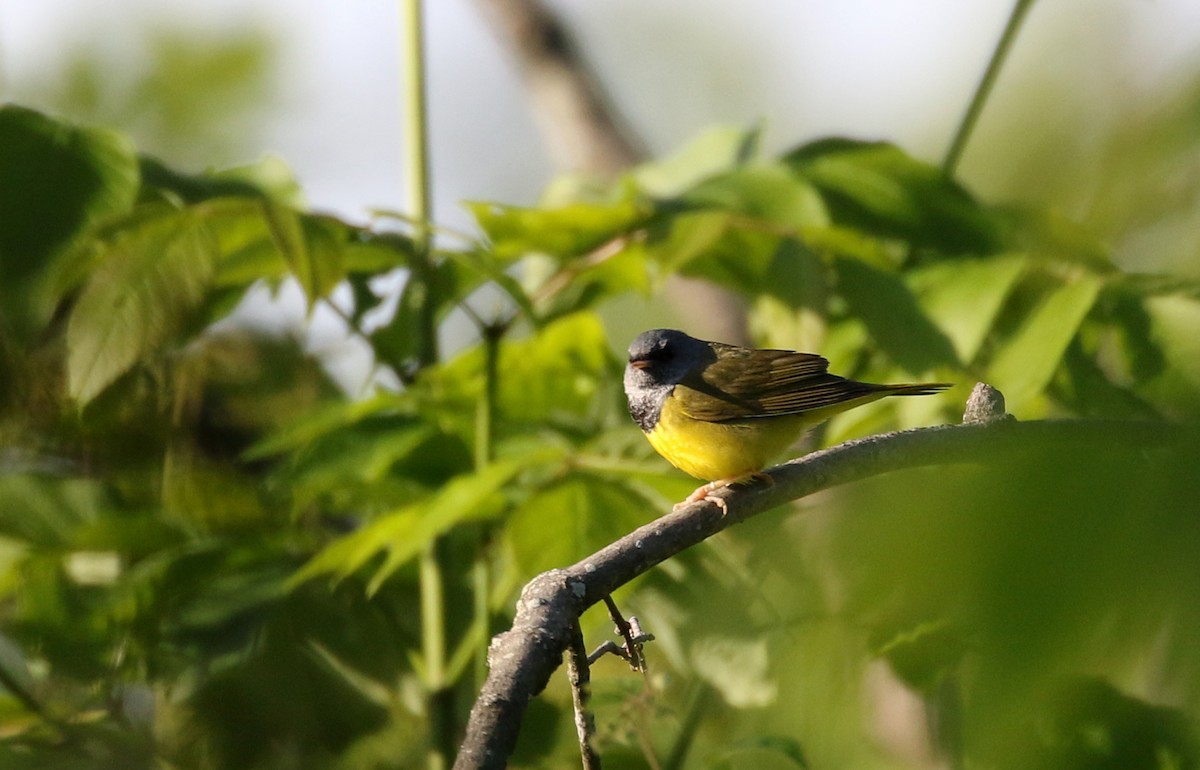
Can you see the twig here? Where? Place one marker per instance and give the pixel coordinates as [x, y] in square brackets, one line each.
[965, 126]
[580, 677]
[523, 658]
[633, 640]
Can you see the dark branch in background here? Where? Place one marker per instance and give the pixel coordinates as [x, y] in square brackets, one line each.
[576, 117]
[523, 658]
[584, 132]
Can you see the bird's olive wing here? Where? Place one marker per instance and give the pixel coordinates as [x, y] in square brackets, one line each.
[744, 383]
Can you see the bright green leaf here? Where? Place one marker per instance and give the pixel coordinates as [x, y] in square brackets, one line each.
[376, 253]
[572, 518]
[836, 241]
[713, 246]
[597, 280]
[482, 264]
[738, 667]
[358, 456]
[1174, 321]
[554, 373]
[712, 152]
[1024, 365]
[311, 246]
[400, 536]
[964, 297]
[562, 232]
[771, 194]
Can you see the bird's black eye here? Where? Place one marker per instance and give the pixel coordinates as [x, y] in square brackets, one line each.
[660, 354]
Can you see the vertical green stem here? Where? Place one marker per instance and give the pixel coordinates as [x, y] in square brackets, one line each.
[967, 125]
[440, 703]
[416, 176]
[439, 700]
[486, 407]
[484, 418]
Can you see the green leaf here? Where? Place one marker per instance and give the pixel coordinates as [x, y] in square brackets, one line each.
[399, 536]
[769, 193]
[836, 241]
[485, 266]
[766, 752]
[149, 279]
[712, 152]
[964, 297]
[562, 232]
[315, 425]
[311, 246]
[557, 370]
[247, 251]
[891, 313]
[713, 246]
[1024, 365]
[597, 280]
[553, 374]
[375, 253]
[738, 667]
[1048, 233]
[572, 518]
[361, 455]
[791, 312]
[878, 187]
[1086, 382]
[1174, 321]
[45, 511]
[55, 180]
[268, 179]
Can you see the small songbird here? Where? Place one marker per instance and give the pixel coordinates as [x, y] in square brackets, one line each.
[722, 412]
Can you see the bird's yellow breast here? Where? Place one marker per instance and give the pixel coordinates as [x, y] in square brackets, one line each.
[722, 450]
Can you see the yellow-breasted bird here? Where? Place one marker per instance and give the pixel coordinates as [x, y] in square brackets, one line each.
[722, 412]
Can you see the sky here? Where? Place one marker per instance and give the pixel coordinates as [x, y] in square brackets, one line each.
[896, 69]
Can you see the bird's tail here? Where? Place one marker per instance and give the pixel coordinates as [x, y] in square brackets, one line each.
[915, 388]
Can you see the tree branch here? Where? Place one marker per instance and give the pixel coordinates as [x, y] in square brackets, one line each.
[523, 658]
[577, 118]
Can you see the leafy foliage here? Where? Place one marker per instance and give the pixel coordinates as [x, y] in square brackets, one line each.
[208, 551]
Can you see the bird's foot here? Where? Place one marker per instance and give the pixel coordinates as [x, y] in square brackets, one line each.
[704, 490]
[702, 493]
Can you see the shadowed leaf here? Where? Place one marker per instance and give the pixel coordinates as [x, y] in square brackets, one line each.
[148, 281]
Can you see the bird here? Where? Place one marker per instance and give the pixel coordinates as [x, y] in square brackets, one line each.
[721, 412]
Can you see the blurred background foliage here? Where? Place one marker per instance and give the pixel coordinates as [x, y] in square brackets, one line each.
[211, 549]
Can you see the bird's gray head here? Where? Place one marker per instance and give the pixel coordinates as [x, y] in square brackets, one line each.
[658, 360]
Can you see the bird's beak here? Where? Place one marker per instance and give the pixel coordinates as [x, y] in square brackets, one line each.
[639, 363]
